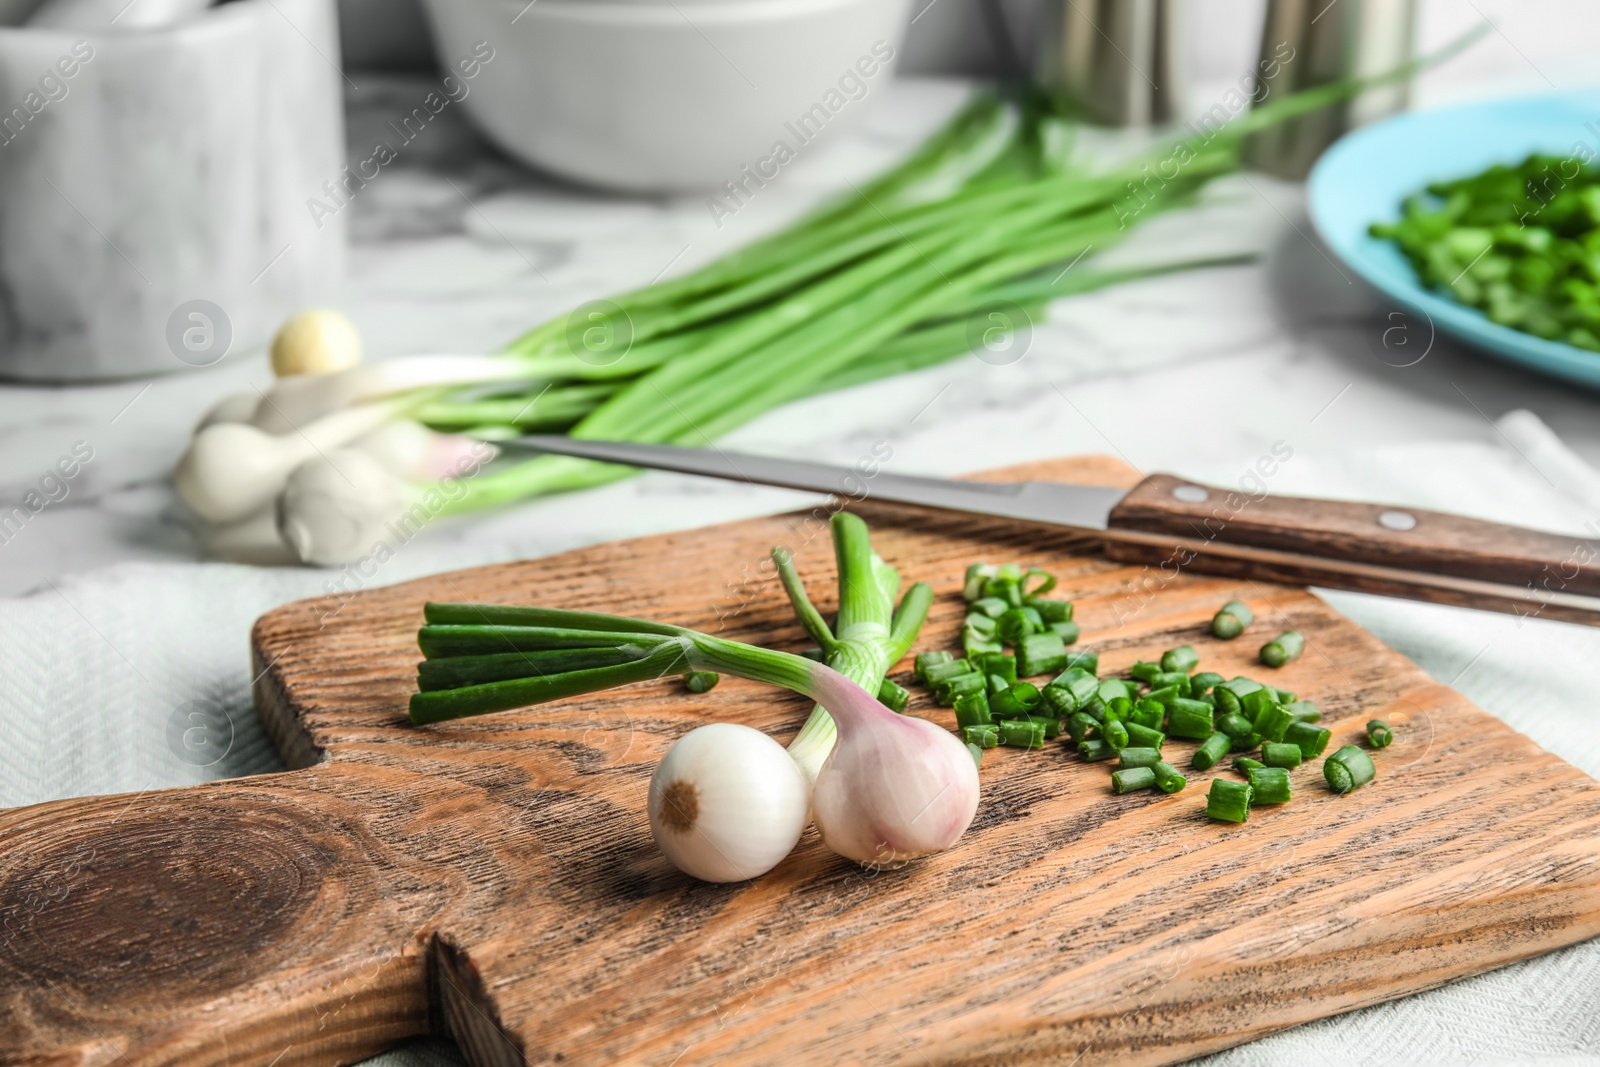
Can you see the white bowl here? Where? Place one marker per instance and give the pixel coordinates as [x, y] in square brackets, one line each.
[659, 96]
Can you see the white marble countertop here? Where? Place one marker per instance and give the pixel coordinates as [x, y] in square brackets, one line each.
[455, 249]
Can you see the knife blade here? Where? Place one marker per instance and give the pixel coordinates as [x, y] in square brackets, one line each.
[1176, 524]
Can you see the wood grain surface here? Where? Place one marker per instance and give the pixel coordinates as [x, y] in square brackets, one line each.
[494, 878]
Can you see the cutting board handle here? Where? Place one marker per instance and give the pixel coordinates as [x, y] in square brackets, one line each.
[1544, 567]
[129, 921]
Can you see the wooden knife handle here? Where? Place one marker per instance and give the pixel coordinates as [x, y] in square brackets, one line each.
[1401, 538]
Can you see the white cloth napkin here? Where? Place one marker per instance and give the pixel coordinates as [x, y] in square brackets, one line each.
[138, 677]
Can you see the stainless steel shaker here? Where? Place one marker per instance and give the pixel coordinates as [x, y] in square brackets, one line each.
[1113, 60]
[1326, 41]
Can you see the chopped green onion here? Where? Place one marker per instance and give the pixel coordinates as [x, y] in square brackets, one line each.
[1177, 679]
[1138, 756]
[1378, 734]
[1015, 701]
[991, 606]
[1281, 754]
[1241, 686]
[973, 710]
[1269, 785]
[1095, 750]
[1214, 748]
[978, 575]
[974, 646]
[1246, 764]
[1087, 661]
[999, 663]
[1119, 708]
[1227, 701]
[1245, 743]
[1067, 631]
[1312, 740]
[1235, 725]
[1052, 610]
[1256, 702]
[947, 668]
[1052, 726]
[976, 752]
[1078, 727]
[1132, 779]
[1040, 654]
[1205, 680]
[1273, 723]
[1048, 583]
[1168, 778]
[926, 660]
[1021, 734]
[1228, 801]
[1143, 671]
[1231, 620]
[1190, 718]
[985, 735]
[1148, 713]
[1347, 769]
[1080, 682]
[1095, 708]
[1144, 736]
[1303, 710]
[1115, 733]
[890, 694]
[1183, 658]
[1283, 648]
[1164, 696]
[949, 690]
[996, 683]
[982, 626]
[701, 681]
[1114, 687]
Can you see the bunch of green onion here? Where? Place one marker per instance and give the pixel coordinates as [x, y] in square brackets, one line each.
[727, 802]
[990, 212]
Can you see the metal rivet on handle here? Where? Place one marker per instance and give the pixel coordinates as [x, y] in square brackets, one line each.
[1397, 520]
[1190, 494]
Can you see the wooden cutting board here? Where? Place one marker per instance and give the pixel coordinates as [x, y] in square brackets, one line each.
[494, 878]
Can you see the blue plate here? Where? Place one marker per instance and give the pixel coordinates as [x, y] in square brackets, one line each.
[1364, 177]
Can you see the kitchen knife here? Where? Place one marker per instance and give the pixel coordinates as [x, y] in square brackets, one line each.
[1174, 524]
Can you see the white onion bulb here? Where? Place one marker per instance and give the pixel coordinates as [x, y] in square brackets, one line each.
[335, 508]
[727, 803]
[319, 341]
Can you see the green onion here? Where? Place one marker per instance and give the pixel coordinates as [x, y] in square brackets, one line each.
[1246, 764]
[973, 710]
[1283, 648]
[702, 681]
[1115, 733]
[1168, 778]
[1112, 688]
[1231, 620]
[1148, 713]
[1135, 756]
[1227, 701]
[1052, 611]
[1303, 710]
[1144, 672]
[1015, 701]
[998, 663]
[984, 735]
[1038, 654]
[1067, 631]
[1143, 736]
[1189, 718]
[1312, 740]
[1132, 779]
[1228, 801]
[455, 672]
[891, 695]
[1273, 723]
[925, 660]
[1021, 734]
[1347, 769]
[1183, 658]
[991, 606]
[1052, 726]
[974, 646]
[1378, 734]
[1203, 681]
[1281, 754]
[943, 670]
[1235, 725]
[1084, 661]
[1079, 726]
[1095, 750]
[1269, 785]
[950, 690]
[1173, 679]
[1214, 748]
[977, 576]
